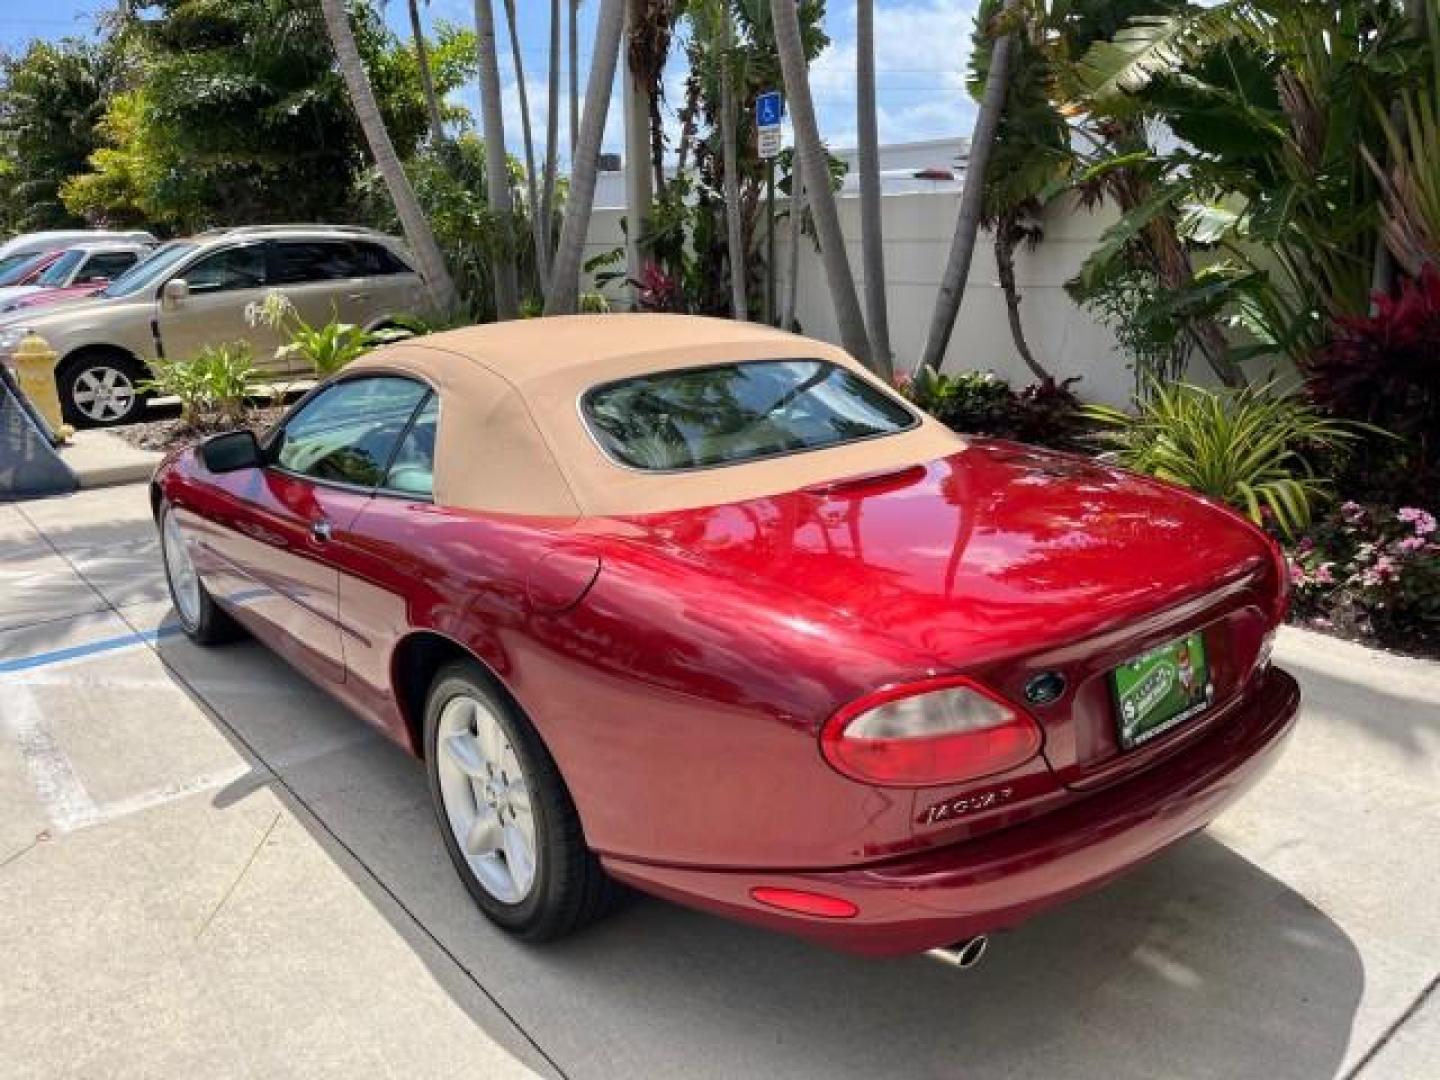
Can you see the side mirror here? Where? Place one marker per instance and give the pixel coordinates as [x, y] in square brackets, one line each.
[231, 452]
[174, 292]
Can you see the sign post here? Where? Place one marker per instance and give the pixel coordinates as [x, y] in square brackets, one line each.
[769, 111]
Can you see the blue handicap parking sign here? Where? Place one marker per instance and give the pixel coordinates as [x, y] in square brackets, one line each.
[768, 109]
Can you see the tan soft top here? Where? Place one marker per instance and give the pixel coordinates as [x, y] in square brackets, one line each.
[511, 438]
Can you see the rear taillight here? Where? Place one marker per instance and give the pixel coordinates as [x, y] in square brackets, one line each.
[939, 731]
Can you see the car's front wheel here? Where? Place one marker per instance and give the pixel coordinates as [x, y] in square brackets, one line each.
[101, 388]
[507, 819]
[200, 617]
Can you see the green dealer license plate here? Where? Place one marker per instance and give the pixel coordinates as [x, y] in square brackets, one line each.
[1162, 688]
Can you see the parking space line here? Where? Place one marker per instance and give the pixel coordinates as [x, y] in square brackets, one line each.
[62, 794]
[73, 652]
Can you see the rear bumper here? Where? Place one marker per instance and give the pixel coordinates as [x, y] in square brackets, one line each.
[941, 896]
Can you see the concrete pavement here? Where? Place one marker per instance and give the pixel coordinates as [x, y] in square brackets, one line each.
[208, 868]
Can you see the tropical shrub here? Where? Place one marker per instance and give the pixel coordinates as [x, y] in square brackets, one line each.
[211, 385]
[1371, 571]
[1385, 368]
[981, 403]
[975, 401]
[1251, 448]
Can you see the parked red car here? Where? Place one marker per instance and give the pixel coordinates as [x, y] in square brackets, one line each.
[706, 608]
[46, 297]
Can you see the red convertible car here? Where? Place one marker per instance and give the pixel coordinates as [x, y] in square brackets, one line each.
[708, 609]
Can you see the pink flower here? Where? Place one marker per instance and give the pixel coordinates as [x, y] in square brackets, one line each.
[1324, 573]
[1352, 511]
[1412, 544]
[1305, 546]
[1297, 574]
[1409, 513]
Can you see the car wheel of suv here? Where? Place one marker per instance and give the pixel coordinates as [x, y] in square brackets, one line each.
[100, 388]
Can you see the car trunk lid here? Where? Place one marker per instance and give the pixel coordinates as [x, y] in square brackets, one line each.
[1011, 563]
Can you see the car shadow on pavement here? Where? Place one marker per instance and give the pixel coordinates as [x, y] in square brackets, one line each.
[1198, 964]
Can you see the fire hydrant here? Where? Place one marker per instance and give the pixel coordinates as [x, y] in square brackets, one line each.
[35, 361]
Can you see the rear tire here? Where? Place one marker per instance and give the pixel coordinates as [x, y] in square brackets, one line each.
[101, 388]
[475, 741]
[200, 617]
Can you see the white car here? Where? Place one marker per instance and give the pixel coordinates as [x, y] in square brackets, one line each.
[83, 264]
[54, 239]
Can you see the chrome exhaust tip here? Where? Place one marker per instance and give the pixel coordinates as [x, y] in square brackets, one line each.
[963, 954]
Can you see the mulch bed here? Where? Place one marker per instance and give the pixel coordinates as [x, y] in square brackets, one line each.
[166, 435]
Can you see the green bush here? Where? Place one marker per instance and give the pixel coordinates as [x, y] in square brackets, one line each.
[211, 385]
[1251, 448]
[981, 403]
[975, 401]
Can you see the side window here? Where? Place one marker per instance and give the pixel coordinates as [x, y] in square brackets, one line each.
[233, 268]
[413, 470]
[106, 266]
[296, 262]
[348, 432]
[376, 260]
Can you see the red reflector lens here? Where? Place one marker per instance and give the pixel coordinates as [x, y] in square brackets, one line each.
[806, 903]
[939, 731]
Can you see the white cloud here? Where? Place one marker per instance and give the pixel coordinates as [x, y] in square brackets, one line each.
[922, 50]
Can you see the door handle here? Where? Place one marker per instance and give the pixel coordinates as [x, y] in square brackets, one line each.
[358, 296]
[320, 531]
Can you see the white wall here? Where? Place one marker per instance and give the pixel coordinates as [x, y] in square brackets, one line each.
[918, 229]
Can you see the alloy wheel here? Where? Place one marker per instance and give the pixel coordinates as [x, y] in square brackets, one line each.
[486, 799]
[103, 393]
[184, 582]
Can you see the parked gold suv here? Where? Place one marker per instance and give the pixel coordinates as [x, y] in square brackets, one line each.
[192, 293]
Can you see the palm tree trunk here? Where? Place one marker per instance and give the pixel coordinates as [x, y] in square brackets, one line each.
[635, 101]
[1005, 265]
[574, 79]
[497, 171]
[972, 201]
[815, 170]
[430, 262]
[565, 275]
[427, 80]
[872, 242]
[730, 158]
[797, 216]
[532, 181]
[552, 144]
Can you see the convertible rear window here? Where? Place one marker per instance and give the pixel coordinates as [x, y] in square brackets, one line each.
[725, 414]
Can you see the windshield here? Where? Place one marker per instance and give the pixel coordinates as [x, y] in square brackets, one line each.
[60, 270]
[732, 413]
[148, 272]
[15, 267]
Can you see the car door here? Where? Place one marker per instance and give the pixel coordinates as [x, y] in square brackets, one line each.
[288, 537]
[384, 563]
[318, 278]
[384, 287]
[221, 284]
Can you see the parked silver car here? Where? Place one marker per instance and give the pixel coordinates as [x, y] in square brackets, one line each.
[192, 293]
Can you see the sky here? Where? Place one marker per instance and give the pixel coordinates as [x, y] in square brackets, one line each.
[921, 51]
